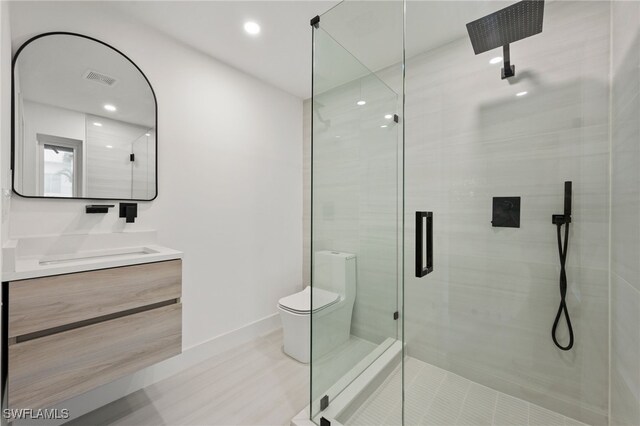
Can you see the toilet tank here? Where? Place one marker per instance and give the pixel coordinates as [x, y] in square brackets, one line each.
[336, 272]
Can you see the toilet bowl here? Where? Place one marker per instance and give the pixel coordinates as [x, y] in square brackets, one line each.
[334, 293]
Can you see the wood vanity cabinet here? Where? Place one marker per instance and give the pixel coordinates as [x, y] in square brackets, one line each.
[68, 334]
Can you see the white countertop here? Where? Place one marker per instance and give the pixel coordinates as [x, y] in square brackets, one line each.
[56, 255]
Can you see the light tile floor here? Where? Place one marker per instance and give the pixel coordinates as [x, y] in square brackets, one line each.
[257, 384]
[437, 397]
[253, 384]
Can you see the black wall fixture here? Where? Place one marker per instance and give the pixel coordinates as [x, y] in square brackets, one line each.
[561, 220]
[424, 243]
[98, 208]
[506, 212]
[520, 20]
[129, 211]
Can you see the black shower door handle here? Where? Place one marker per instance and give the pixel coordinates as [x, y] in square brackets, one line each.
[424, 243]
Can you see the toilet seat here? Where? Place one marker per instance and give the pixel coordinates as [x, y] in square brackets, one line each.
[300, 303]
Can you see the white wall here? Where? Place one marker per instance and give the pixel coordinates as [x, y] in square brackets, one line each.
[5, 111]
[230, 173]
[625, 214]
[5, 116]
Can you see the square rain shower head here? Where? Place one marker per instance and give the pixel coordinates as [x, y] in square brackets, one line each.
[513, 23]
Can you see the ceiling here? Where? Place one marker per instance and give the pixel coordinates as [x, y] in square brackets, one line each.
[281, 54]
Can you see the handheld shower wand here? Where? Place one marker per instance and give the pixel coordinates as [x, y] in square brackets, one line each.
[559, 220]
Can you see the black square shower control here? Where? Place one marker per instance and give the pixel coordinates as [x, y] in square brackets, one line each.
[506, 212]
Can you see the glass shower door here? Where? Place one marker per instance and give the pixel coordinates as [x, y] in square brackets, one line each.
[356, 228]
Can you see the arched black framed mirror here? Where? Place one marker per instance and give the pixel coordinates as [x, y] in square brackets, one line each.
[84, 122]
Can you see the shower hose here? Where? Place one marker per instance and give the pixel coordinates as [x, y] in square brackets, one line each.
[562, 250]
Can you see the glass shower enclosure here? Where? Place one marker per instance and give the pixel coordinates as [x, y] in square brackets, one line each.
[356, 209]
[474, 178]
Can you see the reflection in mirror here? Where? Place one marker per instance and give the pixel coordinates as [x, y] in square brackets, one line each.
[84, 121]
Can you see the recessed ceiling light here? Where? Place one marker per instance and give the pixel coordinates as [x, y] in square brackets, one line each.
[496, 60]
[147, 134]
[109, 146]
[388, 116]
[361, 102]
[384, 126]
[97, 124]
[252, 27]
[521, 93]
[110, 108]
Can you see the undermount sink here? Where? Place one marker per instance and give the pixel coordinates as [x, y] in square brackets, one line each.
[96, 255]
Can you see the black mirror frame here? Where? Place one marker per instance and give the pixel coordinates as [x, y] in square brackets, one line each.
[13, 112]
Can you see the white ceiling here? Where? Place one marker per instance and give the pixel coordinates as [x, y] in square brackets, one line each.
[281, 54]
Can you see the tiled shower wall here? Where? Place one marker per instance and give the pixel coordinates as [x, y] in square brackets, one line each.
[487, 310]
[625, 214]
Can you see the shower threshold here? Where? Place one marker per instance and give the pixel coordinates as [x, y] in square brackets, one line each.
[355, 387]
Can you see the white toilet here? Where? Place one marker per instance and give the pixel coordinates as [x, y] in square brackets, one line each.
[334, 292]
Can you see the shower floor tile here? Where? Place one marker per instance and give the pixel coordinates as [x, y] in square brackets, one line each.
[434, 396]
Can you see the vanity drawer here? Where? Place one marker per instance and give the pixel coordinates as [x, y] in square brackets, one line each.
[47, 370]
[46, 303]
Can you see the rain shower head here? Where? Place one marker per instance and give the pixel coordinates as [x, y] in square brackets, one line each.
[513, 23]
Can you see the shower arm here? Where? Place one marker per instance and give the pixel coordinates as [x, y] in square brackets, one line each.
[508, 70]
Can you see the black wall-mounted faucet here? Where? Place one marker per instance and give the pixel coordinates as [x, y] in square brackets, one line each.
[129, 211]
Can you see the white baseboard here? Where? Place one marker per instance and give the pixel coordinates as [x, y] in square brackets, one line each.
[96, 398]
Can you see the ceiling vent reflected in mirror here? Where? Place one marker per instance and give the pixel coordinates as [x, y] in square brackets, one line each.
[101, 78]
